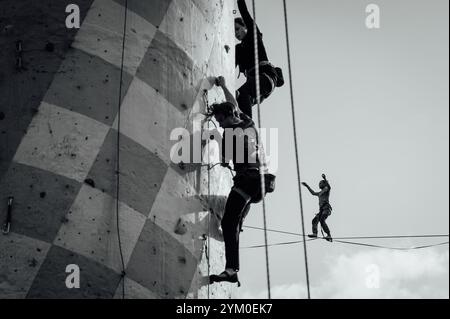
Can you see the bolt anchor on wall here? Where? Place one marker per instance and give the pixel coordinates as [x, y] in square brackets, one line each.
[7, 225]
[19, 60]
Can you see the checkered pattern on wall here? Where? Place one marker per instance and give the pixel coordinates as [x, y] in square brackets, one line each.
[59, 129]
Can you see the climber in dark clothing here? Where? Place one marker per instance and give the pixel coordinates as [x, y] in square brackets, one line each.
[269, 76]
[241, 134]
[324, 207]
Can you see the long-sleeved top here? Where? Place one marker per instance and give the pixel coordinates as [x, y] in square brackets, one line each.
[240, 145]
[245, 51]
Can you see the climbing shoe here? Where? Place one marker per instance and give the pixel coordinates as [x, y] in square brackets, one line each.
[312, 235]
[328, 238]
[225, 276]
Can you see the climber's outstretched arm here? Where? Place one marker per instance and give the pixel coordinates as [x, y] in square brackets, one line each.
[242, 6]
[311, 190]
[220, 81]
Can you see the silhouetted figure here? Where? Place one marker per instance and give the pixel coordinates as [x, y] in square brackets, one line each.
[324, 207]
[269, 76]
[247, 181]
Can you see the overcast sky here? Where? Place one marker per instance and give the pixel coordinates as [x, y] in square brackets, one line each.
[372, 113]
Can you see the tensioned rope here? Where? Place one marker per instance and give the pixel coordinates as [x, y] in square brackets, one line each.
[352, 243]
[392, 248]
[356, 237]
[296, 147]
[118, 150]
[261, 168]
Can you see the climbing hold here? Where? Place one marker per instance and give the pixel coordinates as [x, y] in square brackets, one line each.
[33, 263]
[181, 228]
[43, 194]
[8, 29]
[227, 48]
[90, 182]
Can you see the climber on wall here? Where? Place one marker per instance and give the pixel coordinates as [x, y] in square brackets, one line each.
[324, 207]
[247, 181]
[269, 76]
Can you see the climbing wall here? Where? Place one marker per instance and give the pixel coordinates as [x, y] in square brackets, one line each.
[66, 122]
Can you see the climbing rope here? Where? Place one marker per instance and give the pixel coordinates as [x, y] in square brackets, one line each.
[341, 239]
[118, 151]
[354, 237]
[351, 243]
[208, 252]
[296, 148]
[392, 248]
[261, 168]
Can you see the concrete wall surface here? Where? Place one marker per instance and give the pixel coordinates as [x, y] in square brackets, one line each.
[67, 121]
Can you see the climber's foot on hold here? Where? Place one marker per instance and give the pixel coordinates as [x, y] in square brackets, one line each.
[229, 275]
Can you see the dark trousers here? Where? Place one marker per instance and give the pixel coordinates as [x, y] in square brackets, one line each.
[247, 92]
[320, 218]
[236, 209]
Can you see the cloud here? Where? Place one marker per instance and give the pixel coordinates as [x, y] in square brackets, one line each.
[375, 274]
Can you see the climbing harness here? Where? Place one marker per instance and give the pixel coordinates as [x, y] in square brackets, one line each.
[7, 224]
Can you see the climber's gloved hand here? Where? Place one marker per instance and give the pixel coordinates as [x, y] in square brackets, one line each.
[220, 81]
